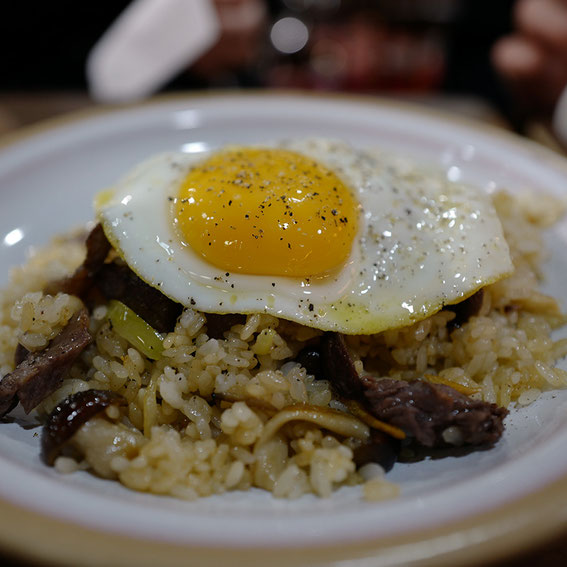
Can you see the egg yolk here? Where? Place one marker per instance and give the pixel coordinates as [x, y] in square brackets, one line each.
[267, 212]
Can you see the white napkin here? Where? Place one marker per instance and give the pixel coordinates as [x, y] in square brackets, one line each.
[150, 43]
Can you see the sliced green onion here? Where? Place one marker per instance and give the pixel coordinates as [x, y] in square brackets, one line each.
[135, 330]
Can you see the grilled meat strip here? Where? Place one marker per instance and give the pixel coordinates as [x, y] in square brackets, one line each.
[424, 411]
[81, 281]
[117, 281]
[40, 373]
[96, 280]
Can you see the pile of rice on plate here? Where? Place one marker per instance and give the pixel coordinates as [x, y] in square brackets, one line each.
[239, 411]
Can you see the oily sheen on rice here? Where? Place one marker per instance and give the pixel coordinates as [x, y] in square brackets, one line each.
[172, 439]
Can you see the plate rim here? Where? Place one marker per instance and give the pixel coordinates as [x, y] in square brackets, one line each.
[442, 545]
[496, 534]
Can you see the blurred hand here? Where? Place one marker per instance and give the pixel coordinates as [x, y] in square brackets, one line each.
[534, 59]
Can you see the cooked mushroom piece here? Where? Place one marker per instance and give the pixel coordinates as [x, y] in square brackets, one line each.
[69, 415]
[381, 448]
[465, 309]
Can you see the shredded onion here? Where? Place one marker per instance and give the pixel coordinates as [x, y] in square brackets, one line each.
[466, 390]
[333, 420]
[135, 330]
[373, 422]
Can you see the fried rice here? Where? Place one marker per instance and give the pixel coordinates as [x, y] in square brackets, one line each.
[203, 419]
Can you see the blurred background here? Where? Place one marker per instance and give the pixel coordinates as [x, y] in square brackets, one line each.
[434, 51]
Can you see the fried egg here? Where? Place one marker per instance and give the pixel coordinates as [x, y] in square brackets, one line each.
[313, 231]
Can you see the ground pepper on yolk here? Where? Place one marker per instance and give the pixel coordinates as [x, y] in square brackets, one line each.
[267, 212]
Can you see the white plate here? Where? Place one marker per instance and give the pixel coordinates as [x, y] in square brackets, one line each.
[453, 508]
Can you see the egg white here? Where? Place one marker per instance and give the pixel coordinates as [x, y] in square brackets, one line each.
[423, 242]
